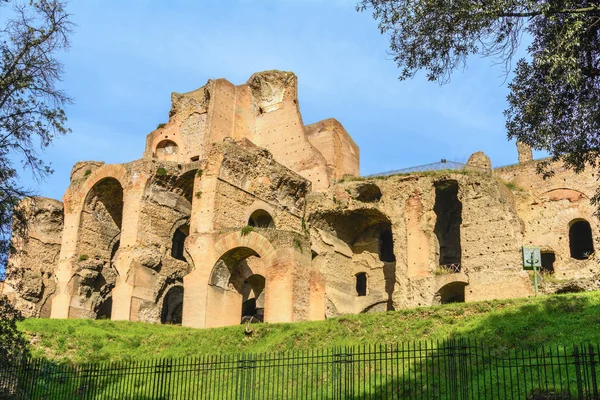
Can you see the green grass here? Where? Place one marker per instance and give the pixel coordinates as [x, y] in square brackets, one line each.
[503, 324]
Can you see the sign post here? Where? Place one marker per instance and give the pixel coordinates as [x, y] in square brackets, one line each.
[532, 260]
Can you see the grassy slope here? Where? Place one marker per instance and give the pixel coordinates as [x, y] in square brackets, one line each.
[561, 319]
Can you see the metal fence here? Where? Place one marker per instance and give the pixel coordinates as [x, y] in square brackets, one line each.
[428, 370]
[442, 165]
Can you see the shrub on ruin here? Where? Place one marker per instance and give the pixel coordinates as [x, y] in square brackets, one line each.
[161, 172]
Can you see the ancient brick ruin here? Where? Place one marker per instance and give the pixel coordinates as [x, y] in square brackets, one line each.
[237, 211]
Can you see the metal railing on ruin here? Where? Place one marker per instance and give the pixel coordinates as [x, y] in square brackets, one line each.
[448, 269]
[456, 370]
[442, 165]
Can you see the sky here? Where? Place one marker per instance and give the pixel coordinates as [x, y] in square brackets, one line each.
[126, 58]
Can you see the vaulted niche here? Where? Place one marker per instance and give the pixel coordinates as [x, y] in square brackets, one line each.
[365, 230]
[261, 219]
[581, 242]
[451, 293]
[98, 245]
[448, 210]
[166, 149]
[236, 291]
[172, 306]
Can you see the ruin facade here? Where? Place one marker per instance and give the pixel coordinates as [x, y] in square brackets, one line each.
[237, 211]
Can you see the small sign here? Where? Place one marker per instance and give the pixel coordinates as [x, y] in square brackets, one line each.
[532, 257]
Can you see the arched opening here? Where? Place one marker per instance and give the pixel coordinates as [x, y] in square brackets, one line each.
[448, 210]
[548, 259]
[453, 292]
[172, 306]
[361, 284]
[253, 299]
[166, 149]
[236, 291]
[365, 230]
[261, 219]
[178, 242]
[98, 244]
[581, 242]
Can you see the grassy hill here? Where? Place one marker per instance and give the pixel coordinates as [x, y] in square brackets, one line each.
[549, 320]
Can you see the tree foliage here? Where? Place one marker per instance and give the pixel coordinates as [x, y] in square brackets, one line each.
[553, 103]
[31, 106]
[13, 345]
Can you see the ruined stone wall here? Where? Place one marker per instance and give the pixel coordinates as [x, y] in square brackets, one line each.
[32, 267]
[346, 234]
[549, 207]
[264, 111]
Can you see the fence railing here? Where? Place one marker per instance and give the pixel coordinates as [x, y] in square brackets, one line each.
[453, 370]
[442, 165]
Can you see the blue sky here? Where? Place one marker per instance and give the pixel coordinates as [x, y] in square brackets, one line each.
[128, 56]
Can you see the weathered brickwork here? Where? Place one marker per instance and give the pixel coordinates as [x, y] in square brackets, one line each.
[239, 212]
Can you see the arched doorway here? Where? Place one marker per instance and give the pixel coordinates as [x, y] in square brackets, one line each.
[236, 290]
[581, 242]
[172, 306]
[98, 245]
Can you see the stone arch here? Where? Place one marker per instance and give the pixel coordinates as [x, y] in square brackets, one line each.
[453, 292]
[563, 193]
[234, 279]
[114, 171]
[257, 208]
[166, 150]
[98, 239]
[581, 242]
[261, 219]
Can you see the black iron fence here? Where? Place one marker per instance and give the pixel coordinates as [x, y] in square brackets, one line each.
[433, 370]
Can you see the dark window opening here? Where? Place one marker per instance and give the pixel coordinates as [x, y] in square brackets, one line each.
[361, 284]
[261, 219]
[178, 244]
[580, 240]
[195, 158]
[448, 209]
[172, 309]
[386, 246]
[105, 309]
[548, 259]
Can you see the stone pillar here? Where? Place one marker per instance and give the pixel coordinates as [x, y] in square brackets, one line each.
[525, 152]
[123, 292]
[62, 300]
[417, 240]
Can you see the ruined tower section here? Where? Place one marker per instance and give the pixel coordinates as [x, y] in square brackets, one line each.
[37, 233]
[264, 111]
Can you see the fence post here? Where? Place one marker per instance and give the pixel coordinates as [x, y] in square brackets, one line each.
[577, 363]
[164, 370]
[593, 368]
[341, 378]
